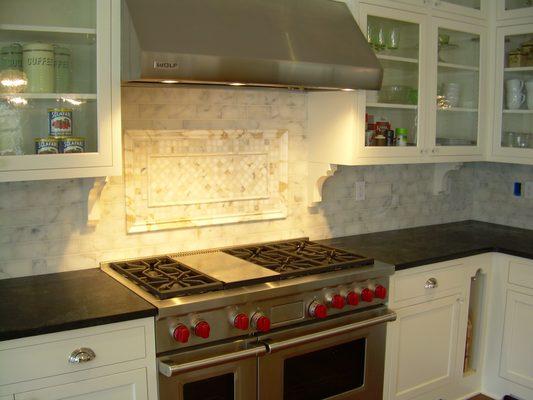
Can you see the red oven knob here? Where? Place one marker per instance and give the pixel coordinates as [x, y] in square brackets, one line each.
[260, 322]
[367, 295]
[380, 292]
[202, 329]
[241, 321]
[181, 334]
[352, 298]
[318, 310]
[337, 301]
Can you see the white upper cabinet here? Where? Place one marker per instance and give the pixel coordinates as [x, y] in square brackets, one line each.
[514, 8]
[513, 117]
[457, 93]
[60, 89]
[469, 8]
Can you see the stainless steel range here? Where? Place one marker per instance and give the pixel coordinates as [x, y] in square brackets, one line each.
[282, 320]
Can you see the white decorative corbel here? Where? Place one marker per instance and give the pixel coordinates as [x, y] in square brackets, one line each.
[441, 181]
[318, 173]
[94, 188]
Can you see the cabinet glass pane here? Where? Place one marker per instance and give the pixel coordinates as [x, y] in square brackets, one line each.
[457, 88]
[474, 4]
[517, 4]
[48, 61]
[517, 120]
[395, 106]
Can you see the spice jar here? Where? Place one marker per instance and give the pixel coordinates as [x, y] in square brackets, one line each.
[38, 64]
[515, 59]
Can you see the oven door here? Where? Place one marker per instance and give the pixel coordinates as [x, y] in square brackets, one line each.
[341, 358]
[221, 372]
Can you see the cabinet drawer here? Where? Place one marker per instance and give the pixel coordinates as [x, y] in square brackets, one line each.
[428, 283]
[521, 273]
[48, 355]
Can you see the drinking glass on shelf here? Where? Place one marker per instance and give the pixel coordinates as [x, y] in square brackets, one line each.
[393, 38]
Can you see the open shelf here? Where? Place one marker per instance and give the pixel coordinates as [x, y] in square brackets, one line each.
[458, 67]
[518, 69]
[48, 96]
[397, 59]
[59, 34]
[518, 111]
[458, 109]
[392, 105]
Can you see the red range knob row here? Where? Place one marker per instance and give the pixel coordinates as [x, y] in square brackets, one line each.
[260, 322]
[318, 310]
[241, 321]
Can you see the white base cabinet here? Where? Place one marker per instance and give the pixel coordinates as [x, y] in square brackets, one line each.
[426, 344]
[119, 364]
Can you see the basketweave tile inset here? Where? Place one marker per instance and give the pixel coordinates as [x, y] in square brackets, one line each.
[185, 178]
[198, 178]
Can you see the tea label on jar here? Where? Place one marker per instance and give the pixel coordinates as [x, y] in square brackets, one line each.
[60, 121]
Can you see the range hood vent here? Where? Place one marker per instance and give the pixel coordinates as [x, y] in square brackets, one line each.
[313, 44]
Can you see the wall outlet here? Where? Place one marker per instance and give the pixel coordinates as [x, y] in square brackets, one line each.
[528, 190]
[360, 191]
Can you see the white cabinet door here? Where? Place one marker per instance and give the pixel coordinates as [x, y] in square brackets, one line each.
[471, 8]
[124, 386]
[458, 93]
[517, 351]
[514, 9]
[423, 347]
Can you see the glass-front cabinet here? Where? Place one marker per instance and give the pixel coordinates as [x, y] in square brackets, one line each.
[457, 94]
[515, 8]
[393, 116]
[513, 121]
[59, 88]
[472, 8]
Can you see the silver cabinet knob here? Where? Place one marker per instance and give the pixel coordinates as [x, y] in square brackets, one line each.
[81, 355]
[431, 283]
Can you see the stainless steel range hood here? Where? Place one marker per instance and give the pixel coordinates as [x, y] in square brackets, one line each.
[312, 44]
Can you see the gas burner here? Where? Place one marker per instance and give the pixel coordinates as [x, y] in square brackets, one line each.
[298, 257]
[165, 277]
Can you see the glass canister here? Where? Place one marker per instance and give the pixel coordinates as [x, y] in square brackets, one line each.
[11, 57]
[62, 69]
[38, 65]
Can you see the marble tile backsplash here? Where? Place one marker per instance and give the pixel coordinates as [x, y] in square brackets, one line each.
[43, 224]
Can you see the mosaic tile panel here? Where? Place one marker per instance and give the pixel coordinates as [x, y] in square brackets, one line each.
[185, 178]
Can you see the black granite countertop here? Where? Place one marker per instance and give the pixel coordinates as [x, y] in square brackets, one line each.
[407, 248]
[69, 300]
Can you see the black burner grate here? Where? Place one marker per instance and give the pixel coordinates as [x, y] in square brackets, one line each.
[299, 257]
[165, 278]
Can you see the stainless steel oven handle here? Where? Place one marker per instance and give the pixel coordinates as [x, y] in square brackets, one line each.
[284, 344]
[170, 369]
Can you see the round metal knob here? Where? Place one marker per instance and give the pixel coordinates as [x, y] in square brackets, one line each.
[318, 310]
[380, 292]
[352, 298]
[202, 329]
[241, 321]
[431, 283]
[181, 333]
[81, 355]
[367, 295]
[260, 322]
[337, 301]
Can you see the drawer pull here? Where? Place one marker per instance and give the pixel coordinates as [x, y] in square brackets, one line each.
[81, 355]
[431, 283]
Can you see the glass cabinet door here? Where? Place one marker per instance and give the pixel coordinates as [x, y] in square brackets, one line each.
[392, 114]
[515, 8]
[456, 88]
[514, 122]
[55, 81]
[473, 8]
